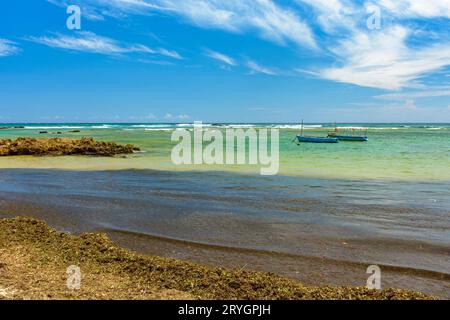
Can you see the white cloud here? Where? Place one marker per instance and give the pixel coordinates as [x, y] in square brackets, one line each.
[90, 42]
[440, 92]
[271, 21]
[133, 5]
[333, 15]
[170, 116]
[220, 57]
[88, 12]
[417, 8]
[156, 62]
[382, 60]
[256, 68]
[8, 48]
[347, 13]
[393, 58]
[97, 10]
[170, 53]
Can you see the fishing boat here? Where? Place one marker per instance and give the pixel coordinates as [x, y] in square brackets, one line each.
[348, 137]
[301, 138]
[311, 139]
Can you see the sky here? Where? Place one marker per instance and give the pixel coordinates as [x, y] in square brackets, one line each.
[225, 61]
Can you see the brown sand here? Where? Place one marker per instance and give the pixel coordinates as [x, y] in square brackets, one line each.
[62, 146]
[34, 259]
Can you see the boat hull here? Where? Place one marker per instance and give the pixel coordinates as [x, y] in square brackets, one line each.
[317, 139]
[350, 138]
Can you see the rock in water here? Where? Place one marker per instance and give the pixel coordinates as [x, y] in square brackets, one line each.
[62, 146]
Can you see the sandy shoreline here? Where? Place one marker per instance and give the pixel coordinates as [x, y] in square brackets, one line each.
[34, 259]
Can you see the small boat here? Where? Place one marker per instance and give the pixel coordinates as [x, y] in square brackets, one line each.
[302, 138]
[348, 138]
[317, 139]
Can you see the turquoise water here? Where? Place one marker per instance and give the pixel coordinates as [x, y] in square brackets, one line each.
[394, 151]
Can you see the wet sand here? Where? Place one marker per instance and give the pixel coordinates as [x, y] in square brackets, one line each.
[304, 229]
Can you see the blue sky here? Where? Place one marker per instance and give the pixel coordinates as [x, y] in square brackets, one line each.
[225, 61]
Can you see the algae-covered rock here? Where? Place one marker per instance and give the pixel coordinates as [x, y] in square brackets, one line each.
[62, 146]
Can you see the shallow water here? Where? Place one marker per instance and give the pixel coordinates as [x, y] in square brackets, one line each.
[419, 152]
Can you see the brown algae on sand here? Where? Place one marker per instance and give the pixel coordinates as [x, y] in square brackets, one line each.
[34, 259]
[62, 146]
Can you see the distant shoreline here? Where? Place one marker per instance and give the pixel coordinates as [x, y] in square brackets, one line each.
[34, 258]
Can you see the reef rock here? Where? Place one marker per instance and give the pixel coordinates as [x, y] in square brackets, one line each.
[62, 146]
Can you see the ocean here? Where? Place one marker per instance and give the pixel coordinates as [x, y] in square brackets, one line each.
[333, 209]
[396, 151]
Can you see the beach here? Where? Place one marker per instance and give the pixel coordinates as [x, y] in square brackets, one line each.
[222, 150]
[323, 220]
[109, 272]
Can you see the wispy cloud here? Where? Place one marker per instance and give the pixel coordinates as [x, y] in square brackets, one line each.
[257, 68]
[382, 60]
[8, 48]
[156, 62]
[429, 93]
[89, 12]
[270, 20]
[333, 15]
[169, 53]
[135, 5]
[395, 57]
[396, 111]
[172, 117]
[97, 10]
[415, 8]
[385, 58]
[223, 58]
[90, 42]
